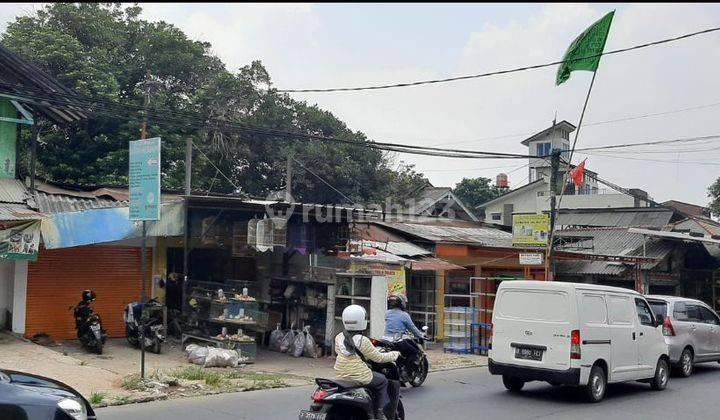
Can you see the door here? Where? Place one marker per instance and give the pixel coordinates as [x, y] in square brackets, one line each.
[712, 323]
[623, 337]
[646, 337]
[594, 332]
[699, 332]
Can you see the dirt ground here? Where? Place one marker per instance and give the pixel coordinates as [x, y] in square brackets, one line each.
[109, 374]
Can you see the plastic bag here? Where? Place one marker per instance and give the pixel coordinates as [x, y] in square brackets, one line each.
[310, 349]
[286, 344]
[221, 358]
[196, 354]
[299, 344]
[276, 337]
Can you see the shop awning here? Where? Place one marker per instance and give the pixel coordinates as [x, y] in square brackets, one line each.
[434, 264]
[94, 226]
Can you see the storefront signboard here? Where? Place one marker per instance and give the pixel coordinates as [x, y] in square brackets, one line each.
[145, 179]
[530, 229]
[19, 240]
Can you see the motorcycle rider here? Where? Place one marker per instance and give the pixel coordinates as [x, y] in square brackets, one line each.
[83, 310]
[398, 324]
[353, 350]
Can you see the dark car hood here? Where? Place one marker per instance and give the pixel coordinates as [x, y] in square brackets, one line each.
[26, 387]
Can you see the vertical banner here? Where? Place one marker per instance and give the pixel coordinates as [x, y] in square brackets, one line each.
[144, 182]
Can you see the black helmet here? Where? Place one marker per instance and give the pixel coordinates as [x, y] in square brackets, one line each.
[88, 295]
[397, 301]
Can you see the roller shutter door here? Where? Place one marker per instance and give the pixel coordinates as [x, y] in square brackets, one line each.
[57, 278]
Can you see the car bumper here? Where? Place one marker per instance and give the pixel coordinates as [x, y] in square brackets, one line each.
[564, 377]
[675, 349]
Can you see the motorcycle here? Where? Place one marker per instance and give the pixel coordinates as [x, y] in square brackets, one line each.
[413, 371]
[336, 399]
[152, 325]
[89, 328]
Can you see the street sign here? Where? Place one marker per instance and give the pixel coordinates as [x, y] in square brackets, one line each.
[531, 259]
[145, 179]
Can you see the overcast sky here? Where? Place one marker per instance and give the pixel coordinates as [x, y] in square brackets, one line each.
[329, 45]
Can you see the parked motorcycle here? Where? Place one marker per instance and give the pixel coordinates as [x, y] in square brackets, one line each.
[413, 370]
[88, 324]
[346, 400]
[152, 325]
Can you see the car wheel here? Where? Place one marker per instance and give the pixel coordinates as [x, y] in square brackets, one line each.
[513, 384]
[597, 384]
[660, 381]
[685, 365]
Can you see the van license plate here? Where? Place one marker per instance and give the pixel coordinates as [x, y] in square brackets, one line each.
[528, 354]
[309, 415]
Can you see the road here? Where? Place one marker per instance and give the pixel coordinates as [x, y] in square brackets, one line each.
[462, 394]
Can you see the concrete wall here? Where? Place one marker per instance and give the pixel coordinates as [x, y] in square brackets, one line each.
[589, 201]
[523, 202]
[19, 296]
[378, 305]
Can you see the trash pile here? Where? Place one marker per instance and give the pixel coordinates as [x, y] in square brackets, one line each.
[292, 341]
[213, 357]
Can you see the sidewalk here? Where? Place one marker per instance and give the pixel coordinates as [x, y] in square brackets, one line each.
[113, 376]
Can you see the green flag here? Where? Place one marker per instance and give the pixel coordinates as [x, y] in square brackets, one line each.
[590, 43]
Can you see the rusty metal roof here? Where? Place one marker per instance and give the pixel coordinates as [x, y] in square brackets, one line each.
[60, 203]
[635, 217]
[12, 191]
[18, 212]
[439, 233]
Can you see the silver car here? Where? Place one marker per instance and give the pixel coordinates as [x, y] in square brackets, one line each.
[691, 330]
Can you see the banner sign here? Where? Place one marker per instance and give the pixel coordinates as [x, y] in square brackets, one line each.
[530, 229]
[144, 182]
[19, 240]
[531, 259]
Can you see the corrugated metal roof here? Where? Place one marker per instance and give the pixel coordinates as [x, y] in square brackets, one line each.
[403, 249]
[616, 218]
[17, 212]
[433, 264]
[590, 267]
[58, 203]
[439, 233]
[12, 191]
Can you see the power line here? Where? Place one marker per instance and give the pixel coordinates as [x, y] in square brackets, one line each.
[116, 110]
[499, 72]
[322, 179]
[237, 189]
[591, 124]
[651, 143]
[684, 162]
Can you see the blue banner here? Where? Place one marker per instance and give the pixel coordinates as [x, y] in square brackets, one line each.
[144, 175]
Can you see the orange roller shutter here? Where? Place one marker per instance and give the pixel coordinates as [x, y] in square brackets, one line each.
[57, 278]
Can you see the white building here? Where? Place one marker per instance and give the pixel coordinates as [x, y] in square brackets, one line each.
[534, 197]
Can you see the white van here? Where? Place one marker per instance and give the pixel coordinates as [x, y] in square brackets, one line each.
[575, 334]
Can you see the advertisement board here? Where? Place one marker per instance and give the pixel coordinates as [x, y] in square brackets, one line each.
[530, 229]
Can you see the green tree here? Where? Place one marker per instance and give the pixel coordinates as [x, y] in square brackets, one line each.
[105, 50]
[714, 194]
[476, 191]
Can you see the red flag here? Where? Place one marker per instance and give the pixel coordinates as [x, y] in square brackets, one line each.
[578, 174]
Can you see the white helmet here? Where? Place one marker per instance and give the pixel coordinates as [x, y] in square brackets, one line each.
[353, 318]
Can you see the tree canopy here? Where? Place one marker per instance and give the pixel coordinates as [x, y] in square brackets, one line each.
[476, 191]
[714, 194]
[104, 51]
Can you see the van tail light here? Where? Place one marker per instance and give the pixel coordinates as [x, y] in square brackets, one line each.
[575, 345]
[490, 336]
[319, 395]
[668, 329]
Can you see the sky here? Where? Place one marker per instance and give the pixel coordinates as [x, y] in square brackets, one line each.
[331, 45]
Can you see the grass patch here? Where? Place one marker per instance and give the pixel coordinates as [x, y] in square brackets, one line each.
[122, 399]
[132, 383]
[97, 398]
[194, 373]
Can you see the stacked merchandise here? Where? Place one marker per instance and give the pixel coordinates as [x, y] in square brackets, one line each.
[459, 322]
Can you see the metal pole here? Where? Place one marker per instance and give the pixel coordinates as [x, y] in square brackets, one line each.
[143, 269]
[288, 179]
[188, 166]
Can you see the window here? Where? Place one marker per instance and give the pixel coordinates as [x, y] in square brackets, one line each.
[594, 310]
[543, 149]
[496, 216]
[659, 308]
[565, 150]
[620, 310]
[643, 312]
[708, 316]
[687, 313]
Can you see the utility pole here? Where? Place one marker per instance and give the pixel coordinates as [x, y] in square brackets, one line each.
[188, 166]
[554, 189]
[288, 178]
[143, 249]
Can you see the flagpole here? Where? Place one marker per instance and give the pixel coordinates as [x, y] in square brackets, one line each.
[555, 208]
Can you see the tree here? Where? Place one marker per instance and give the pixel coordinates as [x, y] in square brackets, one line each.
[103, 51]
[476, 191]
[714, 194]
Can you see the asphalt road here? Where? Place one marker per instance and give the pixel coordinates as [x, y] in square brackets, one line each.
[463, 394]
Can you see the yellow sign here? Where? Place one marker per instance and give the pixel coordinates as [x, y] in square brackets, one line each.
[395, 274]
[530, 229]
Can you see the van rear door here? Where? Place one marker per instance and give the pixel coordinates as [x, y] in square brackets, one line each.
[532, 327]
[594, 332]
[623, 334]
